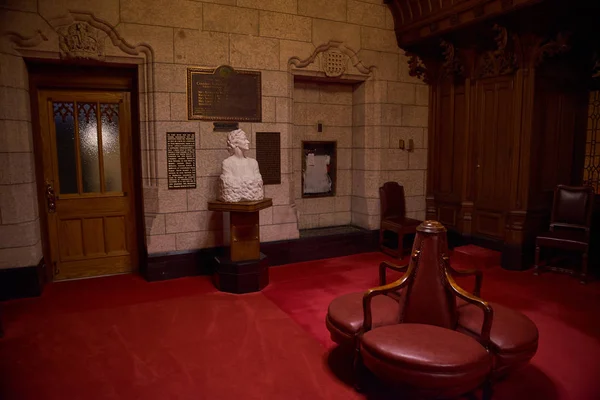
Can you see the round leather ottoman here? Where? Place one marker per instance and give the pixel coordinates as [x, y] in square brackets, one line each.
[345, 315]
[426, 361]
[514, 337]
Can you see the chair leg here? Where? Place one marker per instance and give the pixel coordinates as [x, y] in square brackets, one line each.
[584, 267]
[536, 269]
[488, 390]
[400, 246]
[358, 369]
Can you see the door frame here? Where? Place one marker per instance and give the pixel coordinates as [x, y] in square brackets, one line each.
[86, 75]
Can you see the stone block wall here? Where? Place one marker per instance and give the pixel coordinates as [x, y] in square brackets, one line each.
[164, 38]
[330, 104]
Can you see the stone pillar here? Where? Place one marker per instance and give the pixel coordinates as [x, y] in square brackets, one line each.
[20, 244]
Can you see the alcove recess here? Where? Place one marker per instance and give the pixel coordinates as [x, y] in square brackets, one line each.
[323, 123]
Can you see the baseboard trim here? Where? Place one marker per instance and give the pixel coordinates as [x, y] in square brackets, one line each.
[18, 283]
[202, 262]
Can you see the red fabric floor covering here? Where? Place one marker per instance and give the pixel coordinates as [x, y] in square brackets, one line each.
[123, 338]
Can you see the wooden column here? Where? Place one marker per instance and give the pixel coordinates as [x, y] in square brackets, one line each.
[245, 269]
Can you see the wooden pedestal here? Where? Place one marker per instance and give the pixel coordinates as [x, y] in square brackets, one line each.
[246, 268]
[241, 276]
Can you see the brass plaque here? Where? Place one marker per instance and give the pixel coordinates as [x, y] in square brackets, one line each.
[224, 94]
[181, 160]
[268, 155]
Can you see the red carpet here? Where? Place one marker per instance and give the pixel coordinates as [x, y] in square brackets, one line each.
[123, 338]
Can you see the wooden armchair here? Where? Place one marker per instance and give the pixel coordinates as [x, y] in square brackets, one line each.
[393, 217]
[569, 226]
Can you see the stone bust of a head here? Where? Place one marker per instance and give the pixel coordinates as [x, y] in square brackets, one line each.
[237, 140]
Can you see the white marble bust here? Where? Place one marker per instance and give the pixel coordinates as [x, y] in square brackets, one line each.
[240, 177]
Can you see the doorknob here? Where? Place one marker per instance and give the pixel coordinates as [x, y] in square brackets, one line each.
[50, 198]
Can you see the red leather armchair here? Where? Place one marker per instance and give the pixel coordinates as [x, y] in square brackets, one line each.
[393, 217]
[569, 226]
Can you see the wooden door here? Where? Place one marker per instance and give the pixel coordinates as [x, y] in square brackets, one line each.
[88, 172]
[494, 136]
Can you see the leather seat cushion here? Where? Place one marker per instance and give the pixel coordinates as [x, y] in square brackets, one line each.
[566, 239]
[511, 332]
[346, 312]
[426, 348]
[426, 359]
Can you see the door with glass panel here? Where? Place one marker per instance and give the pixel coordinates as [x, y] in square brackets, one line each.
[86, 142]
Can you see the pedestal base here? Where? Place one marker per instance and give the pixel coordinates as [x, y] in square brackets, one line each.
[241, 276]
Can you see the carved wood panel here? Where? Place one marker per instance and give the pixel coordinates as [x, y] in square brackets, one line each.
[449, 141]
[493, 138]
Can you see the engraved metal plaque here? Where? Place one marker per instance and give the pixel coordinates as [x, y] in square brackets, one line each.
[224, 94]
[181, 160]
[268, 155]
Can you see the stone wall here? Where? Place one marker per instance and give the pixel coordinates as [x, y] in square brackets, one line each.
[164, 38]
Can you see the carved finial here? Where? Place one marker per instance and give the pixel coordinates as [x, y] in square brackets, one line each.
[80, 40]
[499, 61]
[416, 67]
[501, 38]
[596, 67]
[553, 47]
[452, 65]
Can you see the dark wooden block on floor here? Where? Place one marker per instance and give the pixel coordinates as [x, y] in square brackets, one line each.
[241, 276]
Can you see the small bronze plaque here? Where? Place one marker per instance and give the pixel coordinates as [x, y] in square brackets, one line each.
[223, 94]
[181, 160]
[268, 155]
[225, 126]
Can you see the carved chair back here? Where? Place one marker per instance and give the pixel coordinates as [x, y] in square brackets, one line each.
[572, 207]
[391, 199]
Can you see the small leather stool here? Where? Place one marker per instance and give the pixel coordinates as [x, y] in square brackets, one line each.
[345, 316]
[513, 337]
[426, 361]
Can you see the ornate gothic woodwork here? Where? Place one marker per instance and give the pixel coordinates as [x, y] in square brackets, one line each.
[507, 111]
[418, 20]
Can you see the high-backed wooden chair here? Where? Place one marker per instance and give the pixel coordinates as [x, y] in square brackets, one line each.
[569, 226]
[393, 217]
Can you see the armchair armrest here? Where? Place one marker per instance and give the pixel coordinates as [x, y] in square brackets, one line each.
[390, 287]
[387, 265]
[488, 312]
[467, 272]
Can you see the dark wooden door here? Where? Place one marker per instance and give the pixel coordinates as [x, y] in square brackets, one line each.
[493, 143]
[88, 173]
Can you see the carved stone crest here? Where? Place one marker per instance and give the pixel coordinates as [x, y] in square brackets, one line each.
[80, 40]
[500, 61]
[334, 62]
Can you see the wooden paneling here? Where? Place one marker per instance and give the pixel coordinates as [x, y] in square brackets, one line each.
[493, 136]
[451, 136]
[71, 245]
[93, 236]
[115, 235]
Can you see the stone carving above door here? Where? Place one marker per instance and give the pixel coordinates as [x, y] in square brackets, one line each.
[332, 60]
[80, 40]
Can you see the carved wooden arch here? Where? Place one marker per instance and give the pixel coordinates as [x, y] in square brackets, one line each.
[334, 58]
[97, 32]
